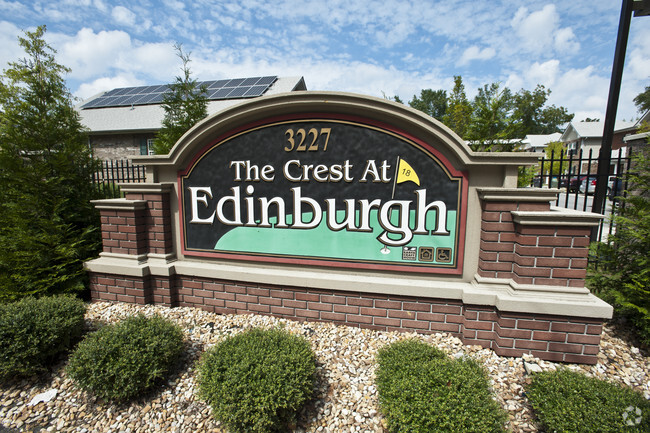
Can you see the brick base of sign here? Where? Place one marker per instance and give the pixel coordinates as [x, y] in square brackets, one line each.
[552, 338]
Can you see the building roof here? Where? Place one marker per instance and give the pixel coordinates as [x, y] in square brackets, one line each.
[537, 141]
[593, 129]
[148, 118]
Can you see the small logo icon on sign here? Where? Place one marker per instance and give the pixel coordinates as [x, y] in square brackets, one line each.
[426, 254]
[443, 255]
[409, 253]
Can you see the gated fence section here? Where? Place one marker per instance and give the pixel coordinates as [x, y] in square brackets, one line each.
[113, 172]
[576, 175]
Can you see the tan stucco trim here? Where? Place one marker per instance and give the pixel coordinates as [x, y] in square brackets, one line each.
[146, 188]
[395, 114]
[502, 294]
[518, 194]
[119, 204]
[557, 217]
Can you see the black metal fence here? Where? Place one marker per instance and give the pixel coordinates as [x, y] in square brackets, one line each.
[576, 174]
[113, 172]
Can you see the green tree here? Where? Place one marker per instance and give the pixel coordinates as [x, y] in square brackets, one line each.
[459, 110]
[642, 100]
[554, 151]
[530, 116]
[431, 102]
[48, 226]
[185, 105]
[490, 128]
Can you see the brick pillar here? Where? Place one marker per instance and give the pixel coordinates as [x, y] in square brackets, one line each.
[158, 215]
[525, 240]
[123, 226]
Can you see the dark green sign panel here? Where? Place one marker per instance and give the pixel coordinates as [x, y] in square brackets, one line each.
[332, 192]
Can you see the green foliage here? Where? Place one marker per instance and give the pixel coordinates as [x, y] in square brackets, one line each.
[490, 129]
[120, 361]
[431, 102]
[48, 226]
[555, 150]
[567, 401]
[421, 390]
[184, 106]
[642, 100]
[257, 381]
[530, 116]
[623, 274]
[34, 331]
[459, 110]
[497, 119]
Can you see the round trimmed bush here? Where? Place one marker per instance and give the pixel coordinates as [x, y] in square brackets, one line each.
[33, 332]
[120, 361]
[572, 402]
[258, 380]
[421, 390]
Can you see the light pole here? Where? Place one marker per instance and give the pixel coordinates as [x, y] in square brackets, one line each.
[640, 8]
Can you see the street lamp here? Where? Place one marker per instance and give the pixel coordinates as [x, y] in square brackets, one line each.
[640, 8]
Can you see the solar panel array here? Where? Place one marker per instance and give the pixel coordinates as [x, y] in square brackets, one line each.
[215, 90]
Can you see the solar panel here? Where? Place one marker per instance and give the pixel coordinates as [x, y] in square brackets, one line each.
[250, 81]
[255, 91]
[215, 90]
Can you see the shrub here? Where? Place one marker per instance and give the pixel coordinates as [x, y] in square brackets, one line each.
[623, 274]
[422, 390]
[257, 381]
[120, 361]
[568, 401]
[34, 331]
[48, 227]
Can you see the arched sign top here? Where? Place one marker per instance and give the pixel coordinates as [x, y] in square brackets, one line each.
[326, 179]
[388, 114]
[325, 188]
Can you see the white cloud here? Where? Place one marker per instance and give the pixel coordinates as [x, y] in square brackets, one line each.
[10, 50]
[475, 53]
[539, 32]
[565, 41]
[89, 54]
[123, 16]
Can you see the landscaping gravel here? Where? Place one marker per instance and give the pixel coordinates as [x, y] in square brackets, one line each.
[345, 399]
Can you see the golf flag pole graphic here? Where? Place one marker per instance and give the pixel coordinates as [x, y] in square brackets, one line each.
[404, 173]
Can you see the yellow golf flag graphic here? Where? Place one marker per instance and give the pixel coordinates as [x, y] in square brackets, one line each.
[405, 173]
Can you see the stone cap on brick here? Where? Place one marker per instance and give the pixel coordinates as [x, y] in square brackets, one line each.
[119, 204]
[558, 217]
[518, 194]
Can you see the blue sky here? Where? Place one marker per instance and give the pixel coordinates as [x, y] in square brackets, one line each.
[385, 47]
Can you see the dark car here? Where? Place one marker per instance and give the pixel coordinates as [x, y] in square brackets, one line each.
[574, 183]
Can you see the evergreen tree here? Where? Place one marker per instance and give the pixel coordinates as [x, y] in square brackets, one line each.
[459, 110]
[431, 102]
[490, 127]
[48, 226]
[185, 105]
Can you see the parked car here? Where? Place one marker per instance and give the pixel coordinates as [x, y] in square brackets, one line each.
[574, 183]
[588, 185]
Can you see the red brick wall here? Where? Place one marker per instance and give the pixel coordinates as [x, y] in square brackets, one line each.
[539, 255]
[554, 338]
